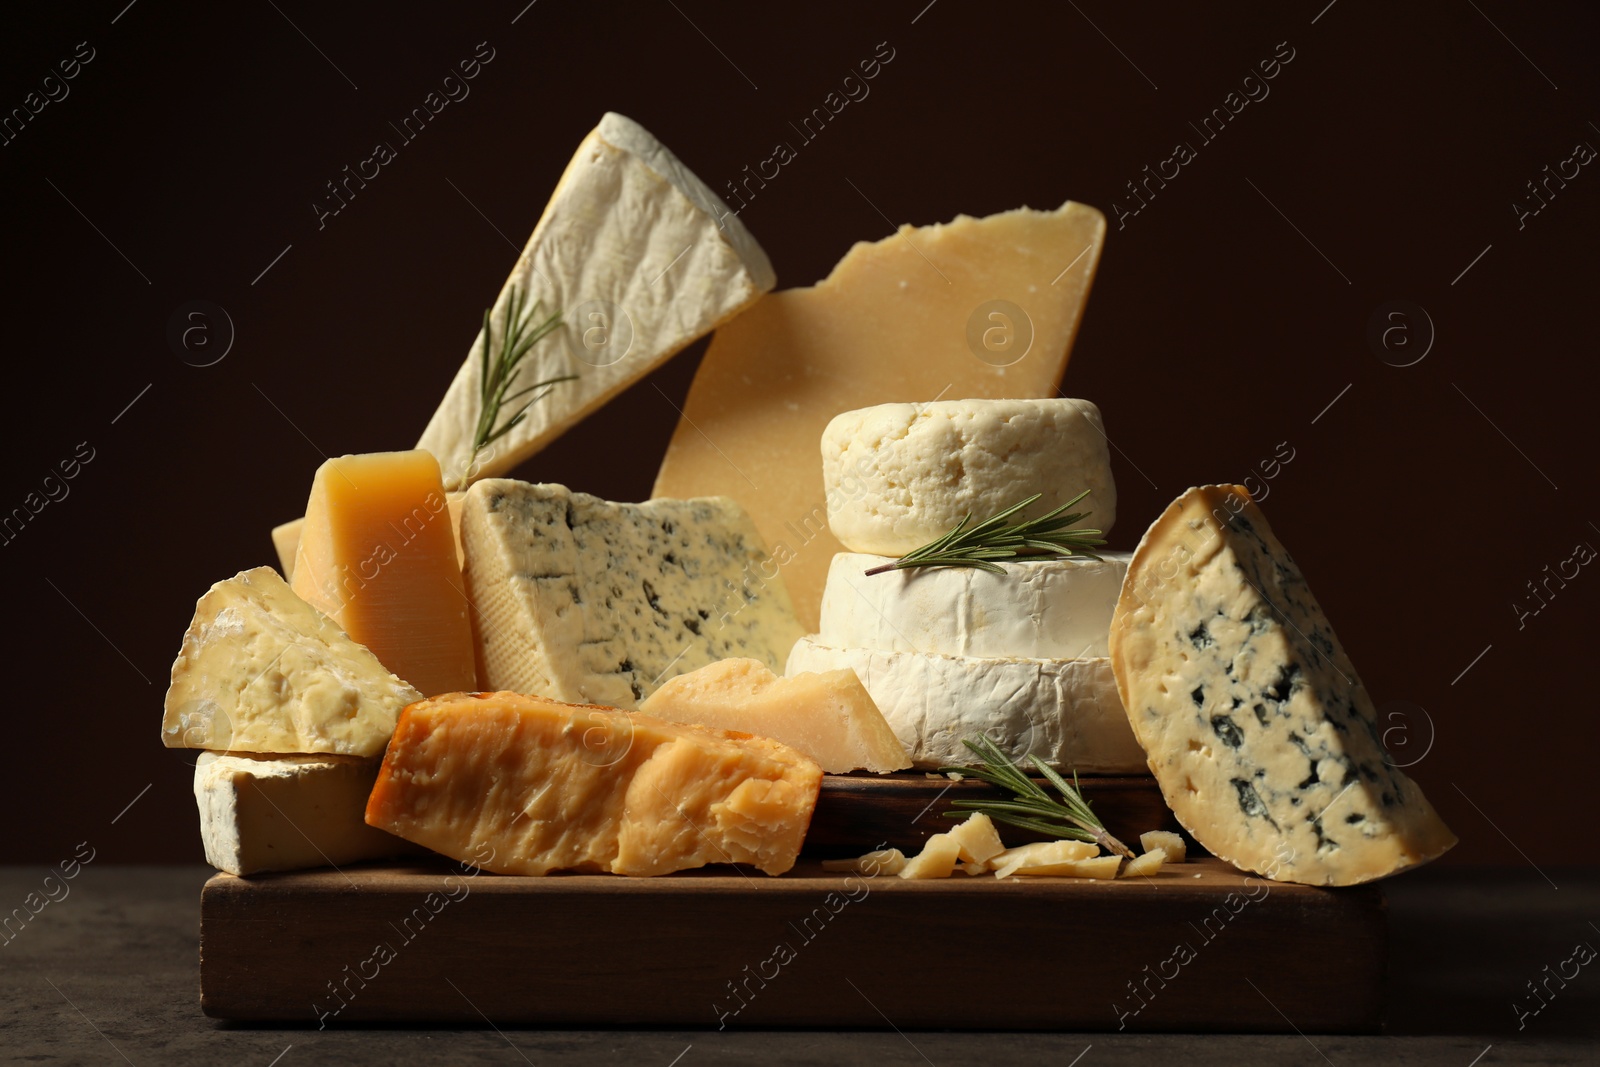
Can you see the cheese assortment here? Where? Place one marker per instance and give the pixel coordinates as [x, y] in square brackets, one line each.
[531, 679]
[584, 600]
[1255, 721]
[976, 307]
[524, 785]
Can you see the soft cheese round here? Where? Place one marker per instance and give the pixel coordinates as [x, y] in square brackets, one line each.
[1040, 609]
[1065, 711]
[899, 475]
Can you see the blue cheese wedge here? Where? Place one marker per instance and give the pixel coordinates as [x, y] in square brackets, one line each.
[1252, 716]
[582, 600]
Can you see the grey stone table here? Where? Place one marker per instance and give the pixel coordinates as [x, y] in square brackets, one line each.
[109, 973]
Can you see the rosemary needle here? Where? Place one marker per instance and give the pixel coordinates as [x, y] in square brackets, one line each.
[1046, 537]
[1033, 809]
[520, 330]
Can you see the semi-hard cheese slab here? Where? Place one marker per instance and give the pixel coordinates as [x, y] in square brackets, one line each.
[377, 555]
[585, 600]
[286, 536]
[1253, 718]
[722, 948]
[521, 785]
[639, 257]
[1066, 712]
[261, 670]
[1037, 609]
[974, 308]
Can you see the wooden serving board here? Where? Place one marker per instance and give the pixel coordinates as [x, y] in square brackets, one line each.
[857, 813]
[1198, 947]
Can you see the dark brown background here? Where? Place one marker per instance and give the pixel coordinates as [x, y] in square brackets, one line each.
[1396, 140]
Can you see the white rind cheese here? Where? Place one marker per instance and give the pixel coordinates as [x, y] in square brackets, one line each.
[1064, 711]
[640, 257]
[261, 670]
[286, 813]
[899, 475]
[1254, 720]
[1044, 609]
[582, 600]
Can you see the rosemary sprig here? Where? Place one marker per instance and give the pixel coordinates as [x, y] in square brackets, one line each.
[995, 538]
[519, 332]
[1033, 809]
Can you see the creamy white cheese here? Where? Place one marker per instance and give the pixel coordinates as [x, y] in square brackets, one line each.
[899, 475]
[1046, 609]
[640, 258]
[1064, 711]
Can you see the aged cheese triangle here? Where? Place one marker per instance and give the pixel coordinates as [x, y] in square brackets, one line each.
[971, 309]
[263, 671]
[640, 257]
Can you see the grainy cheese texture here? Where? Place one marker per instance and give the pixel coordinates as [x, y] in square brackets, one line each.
[1254, 720]
[828, 717]
[521, 785]
[899, 475]
[261, 670]
[377, 555]
[911, 318]
[1066, 712]
[580, 599]
[1038, 609]
[285, 813]
[640, 257]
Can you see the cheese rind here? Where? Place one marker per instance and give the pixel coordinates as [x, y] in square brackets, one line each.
[900, 475]
[890, 324]
[827, 717]
[523, 785]
[580, 599]
[640, 257]
[286, 813]
[1064, 711]
[1254, 720]
[377, 555]
[1040, 609]
[261, 670]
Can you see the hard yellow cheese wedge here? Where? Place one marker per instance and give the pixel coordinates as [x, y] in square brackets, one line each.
[524, 785]
[286, 536]
[827, 716]
[971, 309]
[378, 556]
